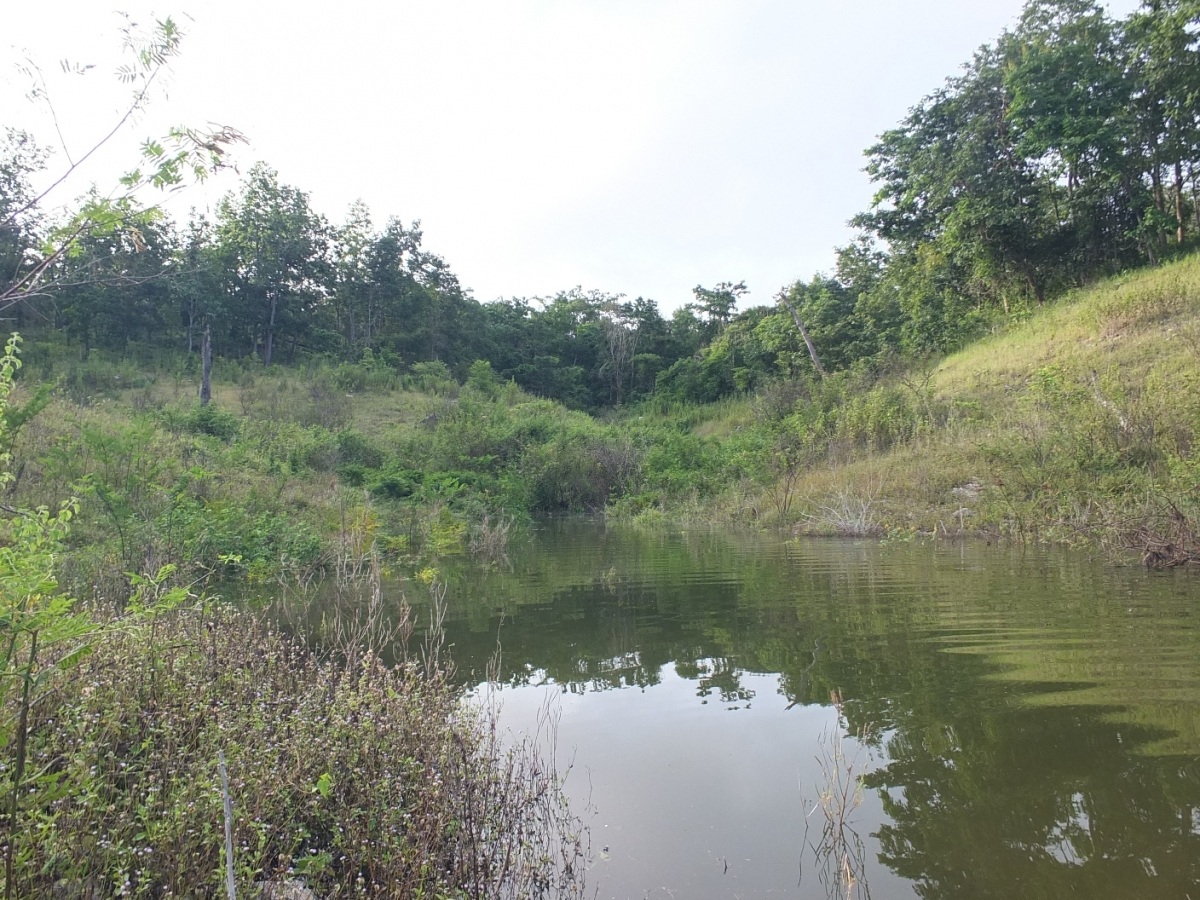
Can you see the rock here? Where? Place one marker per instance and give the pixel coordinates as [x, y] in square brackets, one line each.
[969, 491]
[292, 889]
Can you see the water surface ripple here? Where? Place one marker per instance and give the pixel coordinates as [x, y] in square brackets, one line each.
[1029, 720]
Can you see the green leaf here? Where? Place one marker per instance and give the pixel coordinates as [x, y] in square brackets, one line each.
[324, 785]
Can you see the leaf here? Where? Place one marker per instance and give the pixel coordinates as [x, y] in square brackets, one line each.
[324, 785]
[71, 659]
[313, 865]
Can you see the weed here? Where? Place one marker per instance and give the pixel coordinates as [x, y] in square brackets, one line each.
[845, 514]
[357, 778]
[839, 851]
[489, 539]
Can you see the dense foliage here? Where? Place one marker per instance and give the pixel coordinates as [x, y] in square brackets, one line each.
[1066, 150]
[351, 780]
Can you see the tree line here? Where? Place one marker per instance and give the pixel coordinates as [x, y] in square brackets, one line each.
[1066, 150]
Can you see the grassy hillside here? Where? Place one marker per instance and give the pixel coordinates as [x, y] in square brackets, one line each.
[292, 471]
[1079, 423]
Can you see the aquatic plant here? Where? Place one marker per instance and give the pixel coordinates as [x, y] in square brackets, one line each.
[839, 851]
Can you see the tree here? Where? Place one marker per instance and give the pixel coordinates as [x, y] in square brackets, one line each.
[20, 158]
[195, 286]
[620, 346]
[1163, 60]
[110, 286]
[1070, 108]
[717, 304]
[168, 162]
[273, 248]
[786, 302]
[354, 288]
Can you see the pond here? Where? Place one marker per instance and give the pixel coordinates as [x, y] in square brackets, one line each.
[746, 716]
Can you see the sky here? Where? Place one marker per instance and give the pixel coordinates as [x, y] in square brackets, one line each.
[636, 147]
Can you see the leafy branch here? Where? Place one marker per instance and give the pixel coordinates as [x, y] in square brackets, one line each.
[184, 153]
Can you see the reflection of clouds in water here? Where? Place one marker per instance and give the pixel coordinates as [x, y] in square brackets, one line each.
[1068, 840]
[677, 793]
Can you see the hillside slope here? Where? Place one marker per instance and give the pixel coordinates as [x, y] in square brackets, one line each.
[1079, 423]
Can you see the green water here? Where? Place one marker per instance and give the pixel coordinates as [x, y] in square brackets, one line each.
[1030, 720]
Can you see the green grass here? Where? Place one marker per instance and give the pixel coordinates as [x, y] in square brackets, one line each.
[1078, 423]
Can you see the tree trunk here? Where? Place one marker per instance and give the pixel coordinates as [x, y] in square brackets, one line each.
[1039, 291]
[206, 367]
[812, 351]
[1156, 178]
[1180, 232]
[269, 342]
[1195, 192]
[1142, 235]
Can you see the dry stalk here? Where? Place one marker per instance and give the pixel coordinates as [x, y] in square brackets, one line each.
[840, 852]
[847, 514]
[1164, 535]
[489, 539]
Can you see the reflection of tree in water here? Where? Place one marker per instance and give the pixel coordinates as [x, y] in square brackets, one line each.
[1037, 803]
[720, 675]
[986, 795]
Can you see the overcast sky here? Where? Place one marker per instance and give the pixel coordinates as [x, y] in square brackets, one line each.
[638, 147]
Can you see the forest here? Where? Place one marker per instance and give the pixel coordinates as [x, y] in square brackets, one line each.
[1066, 151]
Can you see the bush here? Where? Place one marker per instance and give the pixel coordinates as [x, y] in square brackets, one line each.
[581, 472]
[364, 779]
[432, 378]
[210, 419]
[680, 462]
[200, 418]
[371, 374]
[395, 482]
[354, 448]
[204, 532]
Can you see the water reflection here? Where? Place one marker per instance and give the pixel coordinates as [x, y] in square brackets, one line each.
[1033, 718]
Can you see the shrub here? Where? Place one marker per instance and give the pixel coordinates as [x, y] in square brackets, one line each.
[364, 779]
[210, 419]
[433, 378]
[200, 418]
[395, 482]
[373, 374]
[357, 449]
[581, 472]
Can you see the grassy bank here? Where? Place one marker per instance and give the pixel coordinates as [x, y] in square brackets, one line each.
[290, 470]
[351, 778]
[1077, 424]
[140, 729]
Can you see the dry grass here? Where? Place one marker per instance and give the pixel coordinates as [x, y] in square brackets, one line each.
[840, 852]
[1115, 366]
